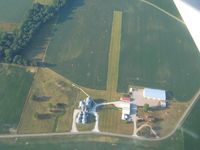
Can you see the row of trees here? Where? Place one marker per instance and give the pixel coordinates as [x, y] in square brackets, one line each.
[13, 43]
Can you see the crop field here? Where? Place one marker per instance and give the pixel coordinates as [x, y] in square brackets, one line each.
[157, 51]
[191, 130]
[40, 113]
[13, 11]
[14, 86]
[167, 5]
[79, 49]
[110, 121]
[156, 48]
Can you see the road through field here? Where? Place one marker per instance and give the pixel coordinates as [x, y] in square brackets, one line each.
[162, 10]
[114, 53]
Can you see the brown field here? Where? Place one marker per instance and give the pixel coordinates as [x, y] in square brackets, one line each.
[8, 27]
[110, 121]
[44, 2]
[57, 90]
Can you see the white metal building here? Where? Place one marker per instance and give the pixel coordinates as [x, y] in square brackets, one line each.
[154, 94]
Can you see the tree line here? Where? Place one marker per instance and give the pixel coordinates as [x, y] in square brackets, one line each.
[13, 43]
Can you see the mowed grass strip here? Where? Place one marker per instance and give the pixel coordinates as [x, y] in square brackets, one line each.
[14, 86]
[110, 121]
[114, 53]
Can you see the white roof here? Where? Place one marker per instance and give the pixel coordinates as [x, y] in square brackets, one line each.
[154, 94]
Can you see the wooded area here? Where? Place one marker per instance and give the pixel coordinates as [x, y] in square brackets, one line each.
[12, 44]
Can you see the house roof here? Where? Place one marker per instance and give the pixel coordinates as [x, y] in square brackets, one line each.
[154, 94]
[127, 99]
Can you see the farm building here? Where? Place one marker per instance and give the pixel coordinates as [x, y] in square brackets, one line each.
[154, 94]
[153, 97]
[125, 99]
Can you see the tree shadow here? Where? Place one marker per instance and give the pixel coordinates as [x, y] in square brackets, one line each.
[45, 64]
[169, 95]
[41, 98]
[66, 13]
[99, 101]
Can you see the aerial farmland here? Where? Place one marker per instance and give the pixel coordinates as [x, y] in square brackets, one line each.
[113, 75]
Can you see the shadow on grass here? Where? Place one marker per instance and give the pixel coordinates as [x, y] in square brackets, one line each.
[45, 64]
[68, 10]
[169, 95]
[99, 101]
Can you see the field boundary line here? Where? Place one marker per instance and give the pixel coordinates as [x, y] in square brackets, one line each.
[162, 10]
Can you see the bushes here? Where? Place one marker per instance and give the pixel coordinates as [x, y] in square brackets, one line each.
[12, 44]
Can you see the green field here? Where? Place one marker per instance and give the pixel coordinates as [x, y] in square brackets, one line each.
[13, 11]
[14, 87]
[167, 5]
[157, 51]
[191, 130]
[79, 49]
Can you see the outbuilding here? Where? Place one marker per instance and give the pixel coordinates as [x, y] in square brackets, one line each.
[154, 94]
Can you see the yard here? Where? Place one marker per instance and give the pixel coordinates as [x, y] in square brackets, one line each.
[14, 88]
[110, 121]
[50, 104]
[165, 119]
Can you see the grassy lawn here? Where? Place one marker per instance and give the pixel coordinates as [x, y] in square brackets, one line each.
[56, 90]
[158, 52]
[13, 11]
[110, 121]
[85, 127]
[14, 86]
